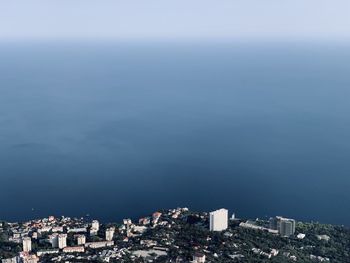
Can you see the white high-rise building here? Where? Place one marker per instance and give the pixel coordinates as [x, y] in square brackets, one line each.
[218, 220]
[81, 239]
[95, 226]
[27, 244]
[62, 240]
[110, 233]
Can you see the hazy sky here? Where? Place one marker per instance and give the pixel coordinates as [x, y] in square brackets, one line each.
[179, 19]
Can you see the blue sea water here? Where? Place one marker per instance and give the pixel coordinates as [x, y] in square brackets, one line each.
[120, 130]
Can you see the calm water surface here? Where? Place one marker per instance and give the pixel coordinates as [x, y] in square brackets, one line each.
[121, 130]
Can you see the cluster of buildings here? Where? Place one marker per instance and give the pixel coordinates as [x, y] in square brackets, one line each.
[66, 239]
[51, 238]
[285, 227]
[63, 239]
[218, 221]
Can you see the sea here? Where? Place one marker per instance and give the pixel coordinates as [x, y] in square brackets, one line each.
[113, 130]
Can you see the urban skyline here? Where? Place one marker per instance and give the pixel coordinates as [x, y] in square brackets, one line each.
[75, 239]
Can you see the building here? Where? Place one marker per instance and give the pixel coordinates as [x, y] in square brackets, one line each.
[287, 228]
[81, 239]
[78, 249]
[155, 217]
[127, 221]
[77, 230]
[252, 225]
[27, 244]
[57, 229]
[54, 240]
[99, 244]
[44, 229]
[198, 258]
[35, 235]
[110, 233]
[139, 229]
[144, 221]
[95, 226]
[284, 226]
[148, 243]
[301, 236]
[218, 220]
[62, 241]
[47, 252]
[323, 237]
[11, 260]
[30, 259]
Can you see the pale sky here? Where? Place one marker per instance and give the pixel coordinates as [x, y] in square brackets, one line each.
[175, 19]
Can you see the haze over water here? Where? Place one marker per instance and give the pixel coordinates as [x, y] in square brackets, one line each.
[121, 130]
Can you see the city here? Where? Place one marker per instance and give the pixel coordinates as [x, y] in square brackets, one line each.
[178, 131]
[175, 235]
